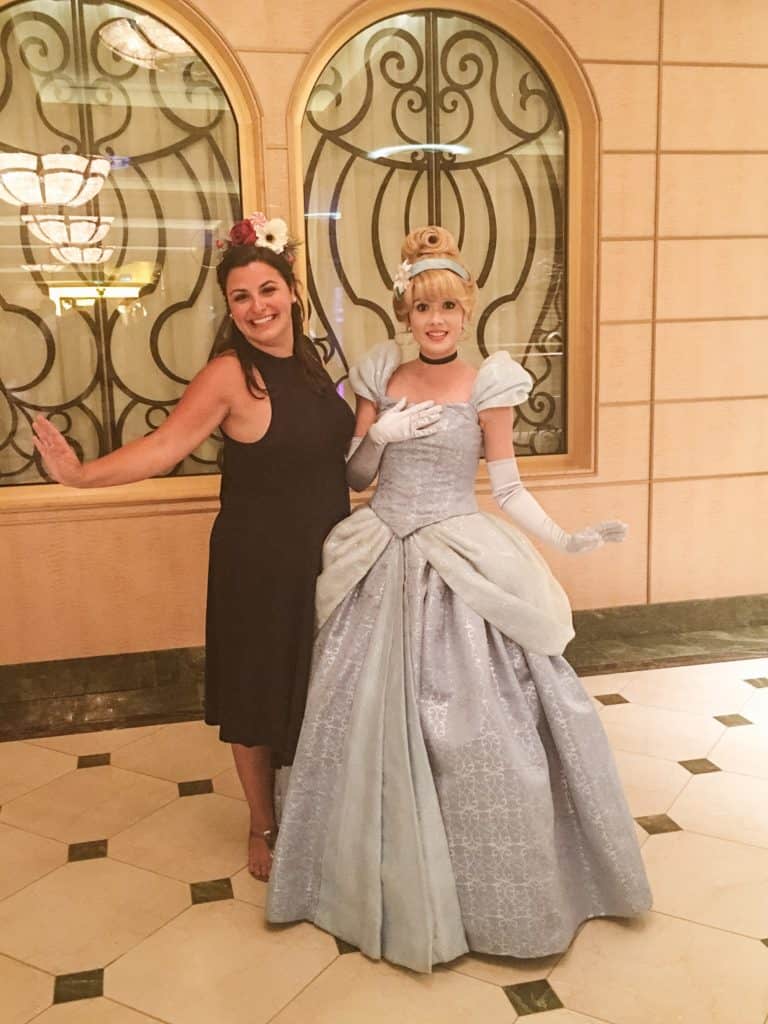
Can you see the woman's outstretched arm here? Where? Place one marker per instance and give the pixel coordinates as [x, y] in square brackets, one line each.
[520, 505]
[203, 406]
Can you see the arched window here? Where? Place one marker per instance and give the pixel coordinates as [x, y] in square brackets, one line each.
[118, 169]
[441, 116]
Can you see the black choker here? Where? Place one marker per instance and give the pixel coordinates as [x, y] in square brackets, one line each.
[438, 362]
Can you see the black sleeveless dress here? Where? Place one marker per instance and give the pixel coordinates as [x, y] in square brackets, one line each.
[280, 496]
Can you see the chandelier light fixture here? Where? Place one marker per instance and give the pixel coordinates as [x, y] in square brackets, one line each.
[81, 254]
[53, 179]
[144, 41]
[61, 230]
[69, 296]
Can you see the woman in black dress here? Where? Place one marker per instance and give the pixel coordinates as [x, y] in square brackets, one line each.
[286, 433]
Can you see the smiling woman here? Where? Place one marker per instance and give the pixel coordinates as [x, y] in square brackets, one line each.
[286, 433]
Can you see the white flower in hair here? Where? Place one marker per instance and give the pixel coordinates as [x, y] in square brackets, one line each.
[402, 279]
[272, 234]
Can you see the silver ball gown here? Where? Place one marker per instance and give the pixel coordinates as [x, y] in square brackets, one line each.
[453, 788]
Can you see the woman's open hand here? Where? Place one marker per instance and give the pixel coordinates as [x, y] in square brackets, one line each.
[609, 532]
[58, 456]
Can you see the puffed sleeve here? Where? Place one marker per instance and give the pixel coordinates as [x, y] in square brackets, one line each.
[500, 382]
[369, 377]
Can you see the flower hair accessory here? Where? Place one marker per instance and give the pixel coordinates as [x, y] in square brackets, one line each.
[406, 271]
[266, 234]
[402, 279]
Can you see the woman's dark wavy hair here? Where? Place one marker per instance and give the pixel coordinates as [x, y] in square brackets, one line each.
[234, 341]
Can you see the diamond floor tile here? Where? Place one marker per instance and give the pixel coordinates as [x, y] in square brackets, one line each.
[102, 741]
[84, 914]
[655, 732]
[659, 969]
[24, 858]
[650, 783]
[695, 689]
[503, 970]
[25, 991]
[24, 768]
[89, 803]
[744, 751]
[711, 881]
[725, 805]
[355, 989]
[178, 752]
[191, 839]
[227, 966]
[93, 1011]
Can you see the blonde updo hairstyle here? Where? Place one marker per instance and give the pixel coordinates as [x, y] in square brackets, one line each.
[431, 285]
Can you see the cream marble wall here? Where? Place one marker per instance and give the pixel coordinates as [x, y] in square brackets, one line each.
[683, 364]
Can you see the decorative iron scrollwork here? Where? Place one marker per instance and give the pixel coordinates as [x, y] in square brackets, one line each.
[432, 117]
[109, 369]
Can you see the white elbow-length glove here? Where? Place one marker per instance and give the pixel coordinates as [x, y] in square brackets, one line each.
[396, 424]
[523, 509]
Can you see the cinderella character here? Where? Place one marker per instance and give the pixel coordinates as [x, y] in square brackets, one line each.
[453, 788]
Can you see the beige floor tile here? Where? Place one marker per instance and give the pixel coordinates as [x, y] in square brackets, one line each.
[756, 708]
[651, 784]
[25, 991]
[689, 677]
[503, 970]
[92, 1011]
[249, 889]
[709, 881]
[85, 914]
[725, 805]
[567, 1017]
[701, 693]
[228, 784]
[102, 742]
[658, 969]
[24, 858]
[355, 989]
[743, 749]
[673, 735]
[194, 839]
[90, 803]
[24, 768]
[227, 966]
[179, 752]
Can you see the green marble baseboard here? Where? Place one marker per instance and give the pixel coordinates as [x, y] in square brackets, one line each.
[667, 634]
[49, 698]
[54, 697]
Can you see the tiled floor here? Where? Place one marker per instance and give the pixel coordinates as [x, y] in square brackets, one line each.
[124, 897]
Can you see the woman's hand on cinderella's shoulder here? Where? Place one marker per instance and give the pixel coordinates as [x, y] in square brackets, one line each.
[611, 531]
[58, 456]
[401, 423]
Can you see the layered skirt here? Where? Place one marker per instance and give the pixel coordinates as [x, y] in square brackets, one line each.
[453, 789]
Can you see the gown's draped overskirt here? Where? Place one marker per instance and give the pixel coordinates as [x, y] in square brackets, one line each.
[453, 788]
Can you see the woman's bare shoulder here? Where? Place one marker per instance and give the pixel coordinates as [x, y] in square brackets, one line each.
[224, 370]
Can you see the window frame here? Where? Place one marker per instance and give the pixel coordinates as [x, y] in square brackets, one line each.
[574, 92]
[28, 499]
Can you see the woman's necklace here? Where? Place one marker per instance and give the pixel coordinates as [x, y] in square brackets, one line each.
[439, 362]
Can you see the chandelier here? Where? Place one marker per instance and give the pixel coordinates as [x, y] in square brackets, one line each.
[81, 254]
[143, 40]
[53, 179]
[57, 229]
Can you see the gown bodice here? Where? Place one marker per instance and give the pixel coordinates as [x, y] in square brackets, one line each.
[429, 479]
